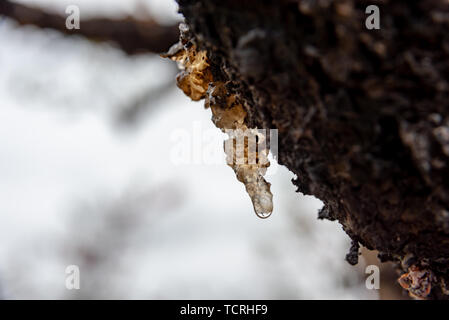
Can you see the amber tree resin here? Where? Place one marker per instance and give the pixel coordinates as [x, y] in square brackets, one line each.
[246, 148]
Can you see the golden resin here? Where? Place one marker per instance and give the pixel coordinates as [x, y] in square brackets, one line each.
[246, 149]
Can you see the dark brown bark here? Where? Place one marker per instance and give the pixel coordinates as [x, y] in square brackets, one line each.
[131, 35]
[363, 115]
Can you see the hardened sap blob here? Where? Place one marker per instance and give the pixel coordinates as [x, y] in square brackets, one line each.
[246, 149]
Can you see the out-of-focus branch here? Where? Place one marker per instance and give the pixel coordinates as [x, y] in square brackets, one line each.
[131, 35]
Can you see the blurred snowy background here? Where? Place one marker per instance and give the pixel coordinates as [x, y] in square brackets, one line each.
[86, 179]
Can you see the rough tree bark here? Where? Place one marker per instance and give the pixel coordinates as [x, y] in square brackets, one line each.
[363, 115]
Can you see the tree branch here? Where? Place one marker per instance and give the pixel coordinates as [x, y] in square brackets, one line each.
[131, 35]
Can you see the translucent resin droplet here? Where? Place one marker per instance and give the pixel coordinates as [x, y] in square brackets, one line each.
[195, 73]
[258, 189]
[250, 164]
[247, 159]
